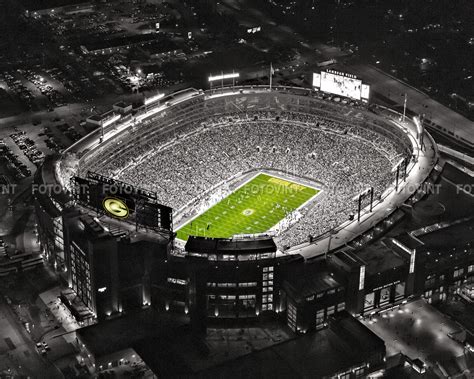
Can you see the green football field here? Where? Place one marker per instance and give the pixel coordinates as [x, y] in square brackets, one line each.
[253, 208]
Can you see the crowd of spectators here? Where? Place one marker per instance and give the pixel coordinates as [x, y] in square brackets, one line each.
[185, 164]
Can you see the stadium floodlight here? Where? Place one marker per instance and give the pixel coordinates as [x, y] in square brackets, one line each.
[419, 127]
[404, 107]
[362, 194]
[398, 164]
[420, 130]
[111, 120]
[154, 98]
[233, 75]
[396, 169]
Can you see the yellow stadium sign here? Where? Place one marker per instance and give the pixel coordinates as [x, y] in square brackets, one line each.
[115, 207]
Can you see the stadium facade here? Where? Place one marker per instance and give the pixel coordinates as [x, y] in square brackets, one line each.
[113, 265]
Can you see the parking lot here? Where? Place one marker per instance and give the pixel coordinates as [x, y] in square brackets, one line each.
[418, 330]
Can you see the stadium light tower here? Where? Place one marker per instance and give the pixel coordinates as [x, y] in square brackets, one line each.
[360, 197]
[105, 123]
[404, 107]
[272, 71]
[152, 100]
[404, 162]
[233, 75]
[419, 129]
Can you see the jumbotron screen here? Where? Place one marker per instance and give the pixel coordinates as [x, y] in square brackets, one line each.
[122, 201]
[341, 85]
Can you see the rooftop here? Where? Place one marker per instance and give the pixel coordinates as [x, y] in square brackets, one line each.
[122, 104]
[458, 234]
[348, 257]
[101, 117]
[124, 332]
[345, 344]
[310, 283]
[379, 258]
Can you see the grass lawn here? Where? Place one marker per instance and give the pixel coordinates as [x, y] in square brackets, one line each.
[253, 208]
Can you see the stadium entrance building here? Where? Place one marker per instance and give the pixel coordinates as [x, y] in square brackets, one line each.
[230, 278]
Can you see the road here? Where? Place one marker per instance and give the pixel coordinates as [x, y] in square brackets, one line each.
[25, 293]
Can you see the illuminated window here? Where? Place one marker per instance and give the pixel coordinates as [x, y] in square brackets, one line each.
[369, 301]
[360, 372]
[458, 272]
[291, 316]
[412, 262]
[384, 296]
[361, 278]
[247, 284]
[267, 288]
[226, 285]
[400, 291]
[319, 318]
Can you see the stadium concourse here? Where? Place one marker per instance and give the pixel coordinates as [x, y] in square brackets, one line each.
[196, 150]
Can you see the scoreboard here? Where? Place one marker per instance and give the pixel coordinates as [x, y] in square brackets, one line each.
[341, 84]
[122, 201]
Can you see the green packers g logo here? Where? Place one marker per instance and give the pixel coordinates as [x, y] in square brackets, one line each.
[115, 207]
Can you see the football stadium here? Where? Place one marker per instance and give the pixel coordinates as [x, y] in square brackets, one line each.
[197, 155]
[205, 202]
